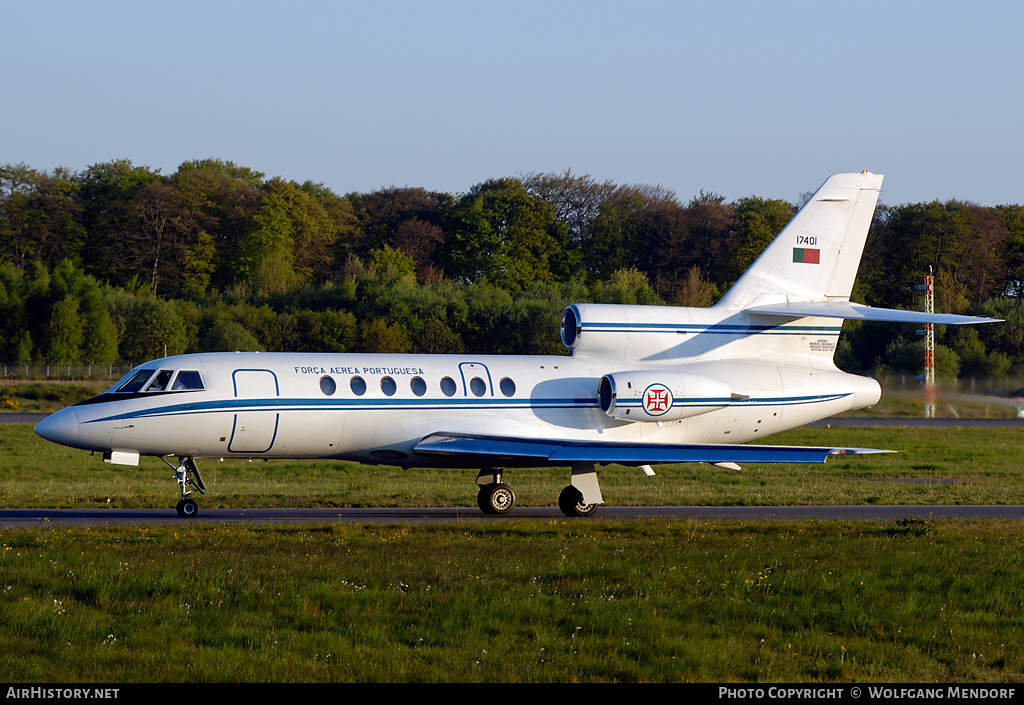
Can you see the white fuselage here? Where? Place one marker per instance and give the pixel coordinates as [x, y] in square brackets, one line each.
[374, 408]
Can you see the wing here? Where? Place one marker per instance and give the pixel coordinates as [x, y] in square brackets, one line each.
[511, 451]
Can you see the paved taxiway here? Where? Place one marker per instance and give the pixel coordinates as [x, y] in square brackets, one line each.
[911, 422]
[19, 417]
[120, 517]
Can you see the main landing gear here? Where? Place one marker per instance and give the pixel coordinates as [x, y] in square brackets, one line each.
[570, 501]
[495, 497]
[188, 478]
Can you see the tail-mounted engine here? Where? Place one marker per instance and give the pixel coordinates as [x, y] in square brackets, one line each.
[619, 332]
[660, 395]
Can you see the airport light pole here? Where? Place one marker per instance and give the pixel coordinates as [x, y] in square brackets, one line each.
[929, 345]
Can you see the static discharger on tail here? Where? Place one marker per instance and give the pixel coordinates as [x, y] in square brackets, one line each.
[644, 385]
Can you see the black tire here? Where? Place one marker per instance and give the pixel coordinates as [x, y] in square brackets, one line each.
[187, 508]
[483, 499]
[496, 498]
[570, 501]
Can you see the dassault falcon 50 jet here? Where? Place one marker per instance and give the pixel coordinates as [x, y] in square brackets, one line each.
[644, 385]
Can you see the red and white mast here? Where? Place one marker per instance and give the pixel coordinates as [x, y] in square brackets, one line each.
[929, 346]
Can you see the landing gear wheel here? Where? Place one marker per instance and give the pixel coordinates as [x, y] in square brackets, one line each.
[496, 498]
[187, 508]
[186, 474]
[570, 501]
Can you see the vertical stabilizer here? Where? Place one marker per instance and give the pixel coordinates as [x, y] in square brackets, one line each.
[816, 256]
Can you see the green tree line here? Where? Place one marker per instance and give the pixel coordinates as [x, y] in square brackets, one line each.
[119, 262]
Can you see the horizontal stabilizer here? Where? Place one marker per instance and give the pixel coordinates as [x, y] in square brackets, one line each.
[859, 312]
[503, 450]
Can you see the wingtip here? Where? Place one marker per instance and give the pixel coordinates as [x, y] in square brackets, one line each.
[859, 451]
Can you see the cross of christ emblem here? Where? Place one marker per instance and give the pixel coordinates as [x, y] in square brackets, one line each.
[657, 399]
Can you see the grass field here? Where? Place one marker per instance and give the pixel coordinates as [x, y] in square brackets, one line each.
[521, 600]
[46, 395]
[935, 466]
[559, 601]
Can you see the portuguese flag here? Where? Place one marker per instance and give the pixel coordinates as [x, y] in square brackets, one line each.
[806, 255]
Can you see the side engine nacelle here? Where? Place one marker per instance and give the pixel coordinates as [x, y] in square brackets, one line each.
[660, 395]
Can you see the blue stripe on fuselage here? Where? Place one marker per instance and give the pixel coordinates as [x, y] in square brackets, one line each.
[279, 405]
[714, 328]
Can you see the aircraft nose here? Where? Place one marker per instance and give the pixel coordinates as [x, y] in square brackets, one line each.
[60, 427]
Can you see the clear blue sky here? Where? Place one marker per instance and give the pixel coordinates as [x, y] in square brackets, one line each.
[739, 98]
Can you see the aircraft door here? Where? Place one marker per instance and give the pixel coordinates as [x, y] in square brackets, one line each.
[256, 423]
[476, 380]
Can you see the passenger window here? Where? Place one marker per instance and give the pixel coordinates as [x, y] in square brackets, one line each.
[328, 386]
[388, 386]
[478, 386]
[448, 386]
[187, 381]
[358, 386]
[418, 386]
[508, 387]
[135, 382]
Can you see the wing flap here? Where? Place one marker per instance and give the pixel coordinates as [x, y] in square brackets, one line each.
[564, 452]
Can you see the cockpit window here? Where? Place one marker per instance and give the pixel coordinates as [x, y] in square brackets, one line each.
[160, 382]
[187, 380]
[135, 382]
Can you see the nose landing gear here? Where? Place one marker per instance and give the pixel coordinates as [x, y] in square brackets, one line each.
[187, 508]
[188, 478]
